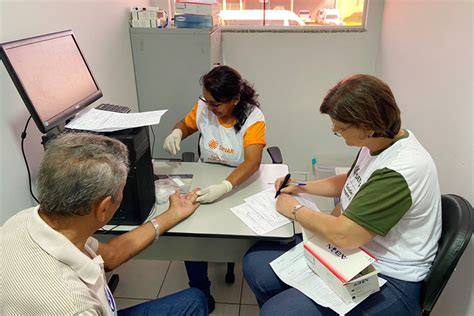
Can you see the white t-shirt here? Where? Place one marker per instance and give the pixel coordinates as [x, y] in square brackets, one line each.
[45, 274]
[395, 194]
[219, 142]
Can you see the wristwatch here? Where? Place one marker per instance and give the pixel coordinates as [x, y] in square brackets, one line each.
[295, 209]
[157, 228]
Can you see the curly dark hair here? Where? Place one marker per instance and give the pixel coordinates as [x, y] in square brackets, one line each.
[224, 83]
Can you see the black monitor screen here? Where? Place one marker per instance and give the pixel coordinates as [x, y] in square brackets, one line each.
[52, 77]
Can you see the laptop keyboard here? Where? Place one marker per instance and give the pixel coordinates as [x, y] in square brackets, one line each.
[113, 108]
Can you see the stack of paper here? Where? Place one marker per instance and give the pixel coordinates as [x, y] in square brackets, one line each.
[259, 212]
[292, 269]
[106, 121]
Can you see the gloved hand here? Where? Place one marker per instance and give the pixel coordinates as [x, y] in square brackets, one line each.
[213, 192]
[172, 141]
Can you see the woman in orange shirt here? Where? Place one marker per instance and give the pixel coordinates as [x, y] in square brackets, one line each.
[232, 128]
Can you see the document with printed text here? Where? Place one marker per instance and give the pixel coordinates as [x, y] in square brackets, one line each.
[107, 121]
[259, 212]
[292, 269]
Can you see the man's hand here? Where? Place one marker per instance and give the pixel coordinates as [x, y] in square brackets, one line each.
[285, 204]
[213, 192]
[183, 205]
[172, 141]
[289, 189]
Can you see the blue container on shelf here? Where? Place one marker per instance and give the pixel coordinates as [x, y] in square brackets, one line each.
[192, 21]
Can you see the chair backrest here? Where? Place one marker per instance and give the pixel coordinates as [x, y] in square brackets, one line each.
[275, 154]
[458, 222]
[188, 156]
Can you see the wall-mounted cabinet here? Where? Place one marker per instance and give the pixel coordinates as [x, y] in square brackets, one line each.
[168, 65]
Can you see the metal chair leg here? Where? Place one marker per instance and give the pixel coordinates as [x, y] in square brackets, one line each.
[230, 276]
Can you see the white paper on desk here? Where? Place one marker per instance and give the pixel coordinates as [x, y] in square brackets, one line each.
[259, 212]
[292, 269]
[107, 121]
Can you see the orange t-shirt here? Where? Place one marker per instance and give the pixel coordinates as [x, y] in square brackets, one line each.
[255, 134]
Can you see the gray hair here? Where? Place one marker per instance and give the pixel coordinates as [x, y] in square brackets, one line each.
[77, 170]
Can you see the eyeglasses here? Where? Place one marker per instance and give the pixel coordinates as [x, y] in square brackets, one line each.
[339, 132]
[212, 104]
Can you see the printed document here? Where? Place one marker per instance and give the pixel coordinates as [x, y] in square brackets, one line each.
[107, 121]
[292, 269]
[259, 212]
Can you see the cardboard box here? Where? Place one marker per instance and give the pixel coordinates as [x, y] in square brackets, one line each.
[193, 21]
[348, 272]
[197, 1]
[197, 8]
[141, 23]
[147, 15]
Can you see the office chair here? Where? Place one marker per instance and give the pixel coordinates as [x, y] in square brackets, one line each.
[275, 154]
[457, 225]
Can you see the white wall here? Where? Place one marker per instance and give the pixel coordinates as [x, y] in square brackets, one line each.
[426, 56]
[101, 28]
[429, 67]
[292, 73]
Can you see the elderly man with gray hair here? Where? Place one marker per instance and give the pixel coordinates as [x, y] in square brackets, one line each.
[50, 263]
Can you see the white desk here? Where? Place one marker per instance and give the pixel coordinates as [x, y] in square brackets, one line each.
[216, 219]
[213, 232]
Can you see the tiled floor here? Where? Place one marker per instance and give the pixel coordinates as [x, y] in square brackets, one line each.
[142, 280]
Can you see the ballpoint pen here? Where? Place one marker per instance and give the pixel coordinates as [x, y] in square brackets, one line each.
[283, 184]
[299, 184]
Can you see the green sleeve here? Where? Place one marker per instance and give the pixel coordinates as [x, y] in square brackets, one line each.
[380, 202]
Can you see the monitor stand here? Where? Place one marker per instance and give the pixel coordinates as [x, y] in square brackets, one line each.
[52, 134]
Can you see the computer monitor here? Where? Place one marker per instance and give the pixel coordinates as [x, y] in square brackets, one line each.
[52, 77]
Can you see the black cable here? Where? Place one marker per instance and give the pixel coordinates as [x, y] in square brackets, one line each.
[153, 142]
[23, 136]
[108, 231]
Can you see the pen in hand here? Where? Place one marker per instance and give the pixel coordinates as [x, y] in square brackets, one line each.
[298, 184]
[283, 185]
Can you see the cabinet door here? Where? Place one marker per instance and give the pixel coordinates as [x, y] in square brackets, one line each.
[168, 66]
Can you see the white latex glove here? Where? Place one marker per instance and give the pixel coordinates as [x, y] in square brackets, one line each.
[213, 192]
[172, 141]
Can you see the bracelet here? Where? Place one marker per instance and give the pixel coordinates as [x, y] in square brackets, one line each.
[157, 228]
[295, 210]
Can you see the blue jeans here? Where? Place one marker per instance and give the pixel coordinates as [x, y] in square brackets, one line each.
[274, 297]
[190, 302]
[197, 275]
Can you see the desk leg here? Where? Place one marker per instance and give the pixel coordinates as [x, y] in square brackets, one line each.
[113, 282]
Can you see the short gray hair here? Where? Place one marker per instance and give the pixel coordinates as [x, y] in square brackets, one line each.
[78, 169]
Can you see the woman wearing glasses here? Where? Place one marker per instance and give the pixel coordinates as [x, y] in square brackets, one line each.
[232, 128]
[390, 206]
[232, 131]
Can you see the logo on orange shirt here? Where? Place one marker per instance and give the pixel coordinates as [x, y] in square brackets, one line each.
[214, 144]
